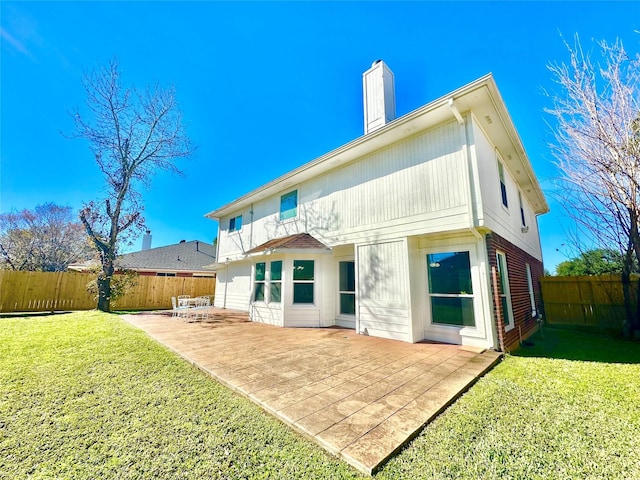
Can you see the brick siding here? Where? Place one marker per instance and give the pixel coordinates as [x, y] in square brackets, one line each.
[524, 323]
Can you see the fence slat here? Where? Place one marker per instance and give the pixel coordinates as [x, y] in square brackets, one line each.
[45, 291]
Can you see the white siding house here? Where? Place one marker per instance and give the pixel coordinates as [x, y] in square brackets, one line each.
[422, 229]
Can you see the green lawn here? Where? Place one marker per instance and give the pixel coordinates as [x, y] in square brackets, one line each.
[87, 396]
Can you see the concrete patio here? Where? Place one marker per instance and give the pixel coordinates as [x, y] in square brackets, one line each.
[361, 398]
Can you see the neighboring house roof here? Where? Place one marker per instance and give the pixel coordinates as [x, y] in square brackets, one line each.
[480, 96]
[181, 257]
[298, 243]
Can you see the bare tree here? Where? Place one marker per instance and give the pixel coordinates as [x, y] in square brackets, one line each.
[46, 239]
[597, 149]
[132, 135]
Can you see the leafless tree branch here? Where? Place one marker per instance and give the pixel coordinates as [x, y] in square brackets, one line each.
[132, 135]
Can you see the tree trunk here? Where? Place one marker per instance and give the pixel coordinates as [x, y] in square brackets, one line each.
[104, 293]
[104, 284]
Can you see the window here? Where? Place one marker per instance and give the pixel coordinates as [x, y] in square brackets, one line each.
[303, 276]
[235, 224]
[165, 274]
[450, 288]
[532, 297]
[524, 223]
[258, 294]
[347, 286]
[275, 284]
[505, 295]
[289, 205]
[503, 186]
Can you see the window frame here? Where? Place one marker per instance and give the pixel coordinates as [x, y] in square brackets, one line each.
[233, 224]
[273, 282]
[291, 213]
[438, 295]
[503, 184]
[259, 282]
[346, 292]
[522, 217]
[532, 296]
[303, 282]
[505, 291]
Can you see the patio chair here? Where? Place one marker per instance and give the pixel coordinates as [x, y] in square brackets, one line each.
[178, 309]
[201, 309]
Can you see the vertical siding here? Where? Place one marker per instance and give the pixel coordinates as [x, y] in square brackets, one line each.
[412, 187]
[414, 177]
[237, 289]
[383, 290]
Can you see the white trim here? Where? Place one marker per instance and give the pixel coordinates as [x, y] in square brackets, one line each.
[506, 289]
[455, 333]
[532, 297]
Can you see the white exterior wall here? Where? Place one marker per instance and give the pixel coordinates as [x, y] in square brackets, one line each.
[413, 187]
[286, 313]
[382, 290]
[493, 215]
[311, 315]
[235, 293]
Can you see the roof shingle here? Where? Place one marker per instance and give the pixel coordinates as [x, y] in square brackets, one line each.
[302, 241]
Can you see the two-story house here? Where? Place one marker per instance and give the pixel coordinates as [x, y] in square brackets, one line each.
[424, 228]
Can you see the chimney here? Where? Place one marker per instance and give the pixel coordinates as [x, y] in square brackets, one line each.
[379, 96]
[146, 240]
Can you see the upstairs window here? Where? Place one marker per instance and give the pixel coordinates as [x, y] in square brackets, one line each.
[235, 224]
[524, 222]
[289, 205]
[503, 186]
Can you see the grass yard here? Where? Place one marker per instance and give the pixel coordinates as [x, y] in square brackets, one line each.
[85, 395]
[566, 408]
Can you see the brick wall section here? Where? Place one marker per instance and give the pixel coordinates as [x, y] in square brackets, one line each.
[519, 289]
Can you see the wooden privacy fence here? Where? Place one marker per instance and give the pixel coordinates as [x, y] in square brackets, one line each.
[48, 291]
[595, 301]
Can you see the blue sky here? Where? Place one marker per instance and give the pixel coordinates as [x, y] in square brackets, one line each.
[268, 86]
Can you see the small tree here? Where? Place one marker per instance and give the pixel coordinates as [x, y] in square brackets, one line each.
[47, 239]
[599, 261]
[597, 148]
[132, 134]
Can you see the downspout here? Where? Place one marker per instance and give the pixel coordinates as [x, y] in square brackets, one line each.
[251, 227]
[218, 242]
